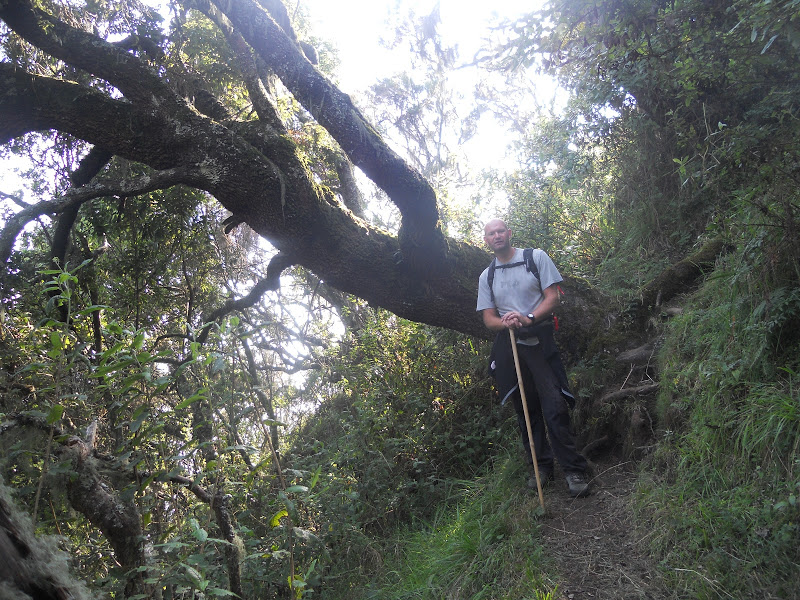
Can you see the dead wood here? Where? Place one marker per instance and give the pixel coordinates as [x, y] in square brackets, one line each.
[627, 392]
[639, 355]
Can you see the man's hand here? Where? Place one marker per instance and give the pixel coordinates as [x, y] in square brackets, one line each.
[510, 320]
[514, 320]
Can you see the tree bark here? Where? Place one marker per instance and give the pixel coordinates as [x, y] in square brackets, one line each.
[30, 565]
[119, 521]
[257, 172]
[678, 278]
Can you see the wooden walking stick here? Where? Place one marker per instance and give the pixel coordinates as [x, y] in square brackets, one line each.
[527, 417]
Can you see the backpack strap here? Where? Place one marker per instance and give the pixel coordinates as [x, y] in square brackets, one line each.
[530, 264]
[490, 279]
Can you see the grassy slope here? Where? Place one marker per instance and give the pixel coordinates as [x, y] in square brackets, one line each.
[486, 544]
[722, 489]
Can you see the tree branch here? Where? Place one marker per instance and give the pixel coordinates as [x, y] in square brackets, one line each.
[276, 266]
[76, 196]
[334, 110]
[86, 51]
[90, 166]
[261, 178]
[250, 73]
[677, 278]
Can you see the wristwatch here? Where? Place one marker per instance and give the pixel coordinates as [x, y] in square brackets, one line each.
[532, 318]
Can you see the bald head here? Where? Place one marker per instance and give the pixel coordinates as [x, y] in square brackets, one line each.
[497, 236]
[494, 223]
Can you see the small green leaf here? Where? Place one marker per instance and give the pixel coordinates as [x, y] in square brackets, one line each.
[219, 592]
[276, 519]
[191, 400]
[113, 350]
[138, 341]
[90, 309]
[138, 418]
[55, 414]
[315, 477]
[769, 43]
[297, 488]
[218, 366]
[193, 574]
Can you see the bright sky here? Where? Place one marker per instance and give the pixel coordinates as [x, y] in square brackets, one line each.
[355, 27]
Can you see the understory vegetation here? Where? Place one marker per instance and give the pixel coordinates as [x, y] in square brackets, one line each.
[722, 488]
[295, 442]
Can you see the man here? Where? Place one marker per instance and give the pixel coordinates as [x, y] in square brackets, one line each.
[517, 299]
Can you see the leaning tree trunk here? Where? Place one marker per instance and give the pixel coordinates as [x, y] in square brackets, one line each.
[677, 278]
[120, 521]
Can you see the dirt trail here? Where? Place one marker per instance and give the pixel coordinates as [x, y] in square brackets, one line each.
[593, 541]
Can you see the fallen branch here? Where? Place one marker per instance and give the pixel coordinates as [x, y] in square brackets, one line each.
[632, 391]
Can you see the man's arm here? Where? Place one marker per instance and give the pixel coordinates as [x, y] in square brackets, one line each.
[546, 307]
[515, 320]
[492, 320]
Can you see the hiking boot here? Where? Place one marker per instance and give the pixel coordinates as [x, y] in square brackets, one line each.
[545, 476]
[577, 484]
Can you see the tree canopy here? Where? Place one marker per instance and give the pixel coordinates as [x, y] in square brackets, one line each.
[152, 103]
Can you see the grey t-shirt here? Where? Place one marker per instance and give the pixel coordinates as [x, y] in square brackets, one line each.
[515, 288]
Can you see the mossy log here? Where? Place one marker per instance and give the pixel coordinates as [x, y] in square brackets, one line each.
[677, 278]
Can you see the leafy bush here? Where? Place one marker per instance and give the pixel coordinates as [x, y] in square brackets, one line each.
[410, 415]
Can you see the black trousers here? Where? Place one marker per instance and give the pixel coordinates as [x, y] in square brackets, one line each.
[549, 414]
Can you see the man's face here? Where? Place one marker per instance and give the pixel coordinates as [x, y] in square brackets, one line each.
[497, 236]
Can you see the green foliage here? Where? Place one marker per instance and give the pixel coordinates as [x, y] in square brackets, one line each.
[167, 414]
[408, 413]
[725, 497]
[677, 111]
[482, 544]
[683, 124]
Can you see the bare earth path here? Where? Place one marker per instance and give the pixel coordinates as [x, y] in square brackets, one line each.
[593, 542]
